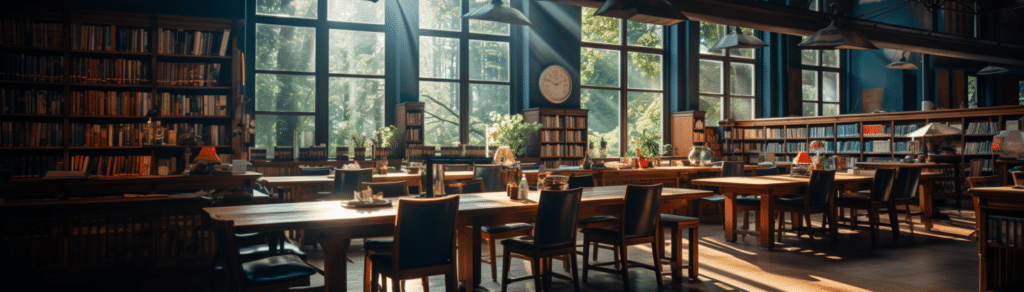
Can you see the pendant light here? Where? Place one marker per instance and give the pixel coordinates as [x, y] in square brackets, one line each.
[991, 69]
[649, 11]
[497, 12]
[902, 63]
[832, 37]
[738, 40]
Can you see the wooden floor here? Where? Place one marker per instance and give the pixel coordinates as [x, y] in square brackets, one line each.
[943, 259]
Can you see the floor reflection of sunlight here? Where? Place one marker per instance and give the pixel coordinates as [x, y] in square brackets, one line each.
[835, 286]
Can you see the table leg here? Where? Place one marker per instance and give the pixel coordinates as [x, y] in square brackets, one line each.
[335, 265]
[926, 204]
[764, 222]
[833, 225]
[477, 254]
[730, 216]
[469, 254]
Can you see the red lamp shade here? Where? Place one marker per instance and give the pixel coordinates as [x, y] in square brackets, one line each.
[803, 157]
[207, 154]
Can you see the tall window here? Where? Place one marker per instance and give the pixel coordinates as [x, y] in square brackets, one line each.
[726, 77]
[819, 73]
[315, 65]
[464, 71]
[620, 78]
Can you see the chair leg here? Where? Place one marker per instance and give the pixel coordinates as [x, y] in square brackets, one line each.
[547, 273]
[426, 284]
[367, 271]
[894, 221]
[910, 220]
[451, 282]
[746, 222]
[396, 285]
[494, 263]
[535, 264]
[586, 258]
[810, 227]
[694, 243]
[373, 282]
[873, 219]
[505, 264]
[624, 264]
[575, 274]
[657, 259]
[782, 223]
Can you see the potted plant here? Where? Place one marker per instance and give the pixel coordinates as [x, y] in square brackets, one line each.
[385, 140]
[511, 131]
[646, 147]
[359, 147]
[604, 148]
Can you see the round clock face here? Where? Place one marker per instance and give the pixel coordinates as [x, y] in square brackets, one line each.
[555, 84]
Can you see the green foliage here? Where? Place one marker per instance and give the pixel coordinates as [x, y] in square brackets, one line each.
[386, 136]
[511, 131]
[359, 141]
[648, 143]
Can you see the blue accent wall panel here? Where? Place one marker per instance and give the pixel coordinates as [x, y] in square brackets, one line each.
[402, 51]
[553, 39]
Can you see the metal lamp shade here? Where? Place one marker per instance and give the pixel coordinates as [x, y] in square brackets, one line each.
[992, 70]
[737, 40]
[649, 11]
[832, 37]
[934, 129]
[902, 64]
[497, 12]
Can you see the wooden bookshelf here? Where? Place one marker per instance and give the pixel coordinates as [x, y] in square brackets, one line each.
[688, 130]
[562, 138]
[85, 83]
[409, 120]
[878, 137]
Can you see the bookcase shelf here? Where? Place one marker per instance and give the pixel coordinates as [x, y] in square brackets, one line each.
[409, 120]
[562, 138]
[688, 130]
[849, 132]
[99, 74]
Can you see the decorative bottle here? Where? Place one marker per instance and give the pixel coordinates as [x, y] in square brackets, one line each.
[524, 188]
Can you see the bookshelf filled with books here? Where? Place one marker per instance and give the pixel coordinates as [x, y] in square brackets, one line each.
[688, 130]
[111, 93]
[878, 137]
[562, 138]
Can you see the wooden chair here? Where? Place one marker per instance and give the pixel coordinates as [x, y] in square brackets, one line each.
[346, 182]
[676, 224]
[424, 243]
[587, 181]
[904, 192]
[881, 189]
[490, 233]
[815, 201]
[729, 169]
[270, 273]
[555, 235]
[390, 189]
[1018, 177]
[983, 181]
[466, 186]
[747, 203]
[951, 185]
[638, 224]
[491, 176]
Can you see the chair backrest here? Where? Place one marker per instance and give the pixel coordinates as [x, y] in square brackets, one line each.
[772, 170]
[425, 232]
[640, 210]
[1018, 177]
[905, 186]
[976, 167]
[319, 170]
[491, 176]
[556, 216]
[390, 189]
[983, 181]
[819, 188]
[469, 186]
[226, 243]
[347, 181]
[732, 168]
[881, 185]
[581, 181]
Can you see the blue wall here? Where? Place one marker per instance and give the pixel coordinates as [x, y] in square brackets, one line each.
[553, 39]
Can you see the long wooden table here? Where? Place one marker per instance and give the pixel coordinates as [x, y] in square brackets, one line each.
[475, 210]
[773, 186]
[299, 183]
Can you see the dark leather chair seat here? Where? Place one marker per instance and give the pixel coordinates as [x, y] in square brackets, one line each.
[598, 219]
[379, 244]
[263, 250]
[677, 218]
[505, 227]
[749, 201]
[275, 270]
[527, 242]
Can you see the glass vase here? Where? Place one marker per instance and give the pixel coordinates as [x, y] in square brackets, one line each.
[700, 155]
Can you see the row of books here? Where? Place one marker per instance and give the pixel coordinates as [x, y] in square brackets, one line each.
[188, 74]
[848, 147]
[31, 166]
[563, 150]
[257, 154]
[878, 159]
[107, 135]
[821, 132]
[773, 147]
[846, 162]
[1005, 231]
[192, 105]
[877, 146]
[752, 147]
[698, 125]
[848, 130]
[113, 165]
[313, 153]
[906, 147]
[414, 119]
[413, 134]
[698, 137]
[794, 147]
[210, 134]
[31, 101]
[903, 130]
[108, 38]
[284, 153]
[575, 122]
[31, 33]
[31, 68]
[796, 133]
[984, 147]
[109, 103]
[109, 71]
[774, 133]
[561, 136]
[551, 122]
[751, 134]
[191, 42]
[29, 134]
[982, 128]
[419, 151]
[876, 130]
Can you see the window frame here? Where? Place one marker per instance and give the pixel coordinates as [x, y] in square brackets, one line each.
[727, 59]
[819, 71]
[624, 49]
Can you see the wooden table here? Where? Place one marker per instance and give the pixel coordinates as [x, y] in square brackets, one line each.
[298, 183]
[892, 165]
[669, 176]
[475, 210]
[770, 187]
[998, 262]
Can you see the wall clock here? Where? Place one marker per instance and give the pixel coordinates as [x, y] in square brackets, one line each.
[555, 84]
